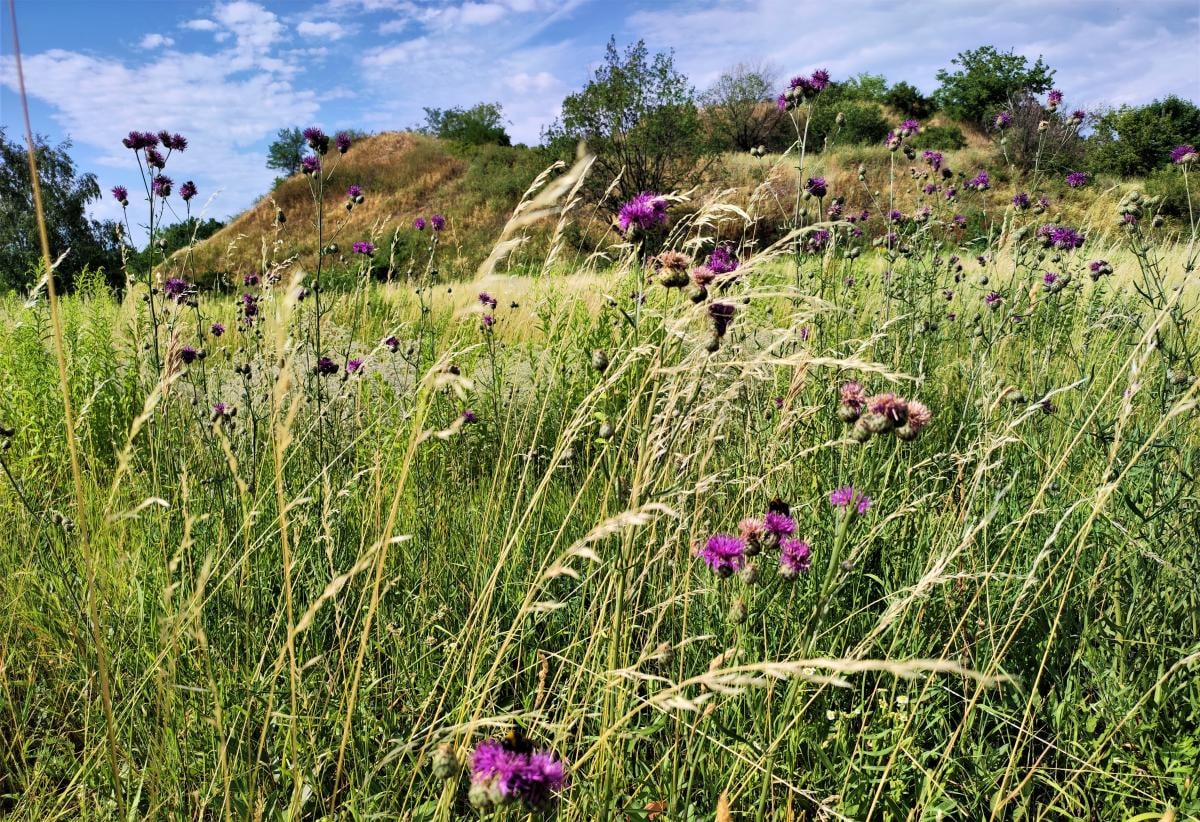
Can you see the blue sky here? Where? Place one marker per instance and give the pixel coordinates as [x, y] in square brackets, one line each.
[228, 73]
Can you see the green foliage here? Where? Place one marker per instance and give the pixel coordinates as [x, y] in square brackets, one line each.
[739, 108]
[498, 175]
[66, 194]
[864, 124]
[871, 88]
[1168, 184]
[286, 152]
[909, 101]
[1134, 140]
[943, 138]
[987, 80]
[172, 238]
[481, 124]
[638, 115]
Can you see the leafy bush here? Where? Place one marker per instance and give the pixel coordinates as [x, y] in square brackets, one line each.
[909, 101]
[1167, 183]
[481, 124]
[987, 80]
[739, 110]
[864, 124]
[943, 138]
[1133, 140]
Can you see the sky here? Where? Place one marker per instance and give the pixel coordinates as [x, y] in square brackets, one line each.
[229, 73]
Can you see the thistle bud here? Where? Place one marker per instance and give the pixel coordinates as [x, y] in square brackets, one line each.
[749, 574]
[737, 612]
[445, 763]
[840, 119]
[1043, 125]
[600, 360]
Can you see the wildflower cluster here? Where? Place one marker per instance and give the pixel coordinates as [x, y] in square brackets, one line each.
[503, 774]
[881, 414]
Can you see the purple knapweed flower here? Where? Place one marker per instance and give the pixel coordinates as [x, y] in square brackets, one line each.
[819, 79]
[909, 127]
[721, 315]
[162, 185]
[500, 776]
[816, 242]
[778, 524]
[188, 354]
[930, 188]
[121, 195]
[216, 329]
[487, 300]
[1020, 201]
[980, 182]
[1077, 178]
[187, 191]
[469, 417]
[326, 367]
[173, 142]
[795, 558]
[724, 553]
[1054, 99]
[834, 211]
[419, 224]
[365, 248]
[816, 186]
[139, 139]
[895, 215]
[316, 139]
[722, 260]
[1183, 154]
[354, 366]
[1050, 278]
[959, 221]
[311, 164]
[644, 212]
[993, 300]
[354, 191]
[1002, 120]
[176, 288]
[342, 141]
[846, 496]
[251, 279]
[933, 158]
[392, 343]
[438, 222]
[155, 158]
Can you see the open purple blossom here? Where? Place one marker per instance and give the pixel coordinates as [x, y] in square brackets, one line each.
[316, 139]
[342, 141]
[1002, 120]
[354, 366]
[155, 158]
[846, 496]
[1050, 278]
[140, 139]
[469, 417]
[933, 158]
[950, 193]
[1183, 154]
[834, 211]
[895, 215]
[176, 288]
[853, 395]
[1061, 237]
[487, 300]
[173, 142]
[778, 524]
[392, 343]
[419, 224]
[1078, 116]
[311, 164]
[816, 242]
[121, 195]
[188, 354]
[187, 191]
[724, 553]
[644, 212]
[816, 186]
[251, 279]
[1020, 201]
[795, 558]
[909, 127]
[216, 329]
[438, 222]
[993, 300]
[722, 260]
[929, 188]
[1054, 99]
[365, 248]
[819, 79]
[162, 185]
[326, 367]
[980, 182]
[1077, 178]
[354, 191]
[500, 775]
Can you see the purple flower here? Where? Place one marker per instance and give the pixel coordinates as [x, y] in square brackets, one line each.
[816, 186]
[1003, 120]
[895, 215]
[819, 79]
[251, 279]
[326, 366]
[176, 288]
[220, 410]
[1043, 202]
[469, 417]
[364, 248]
[1020, 201]
[188, 354]
[216, 330]
[934, 158]
[722, 260]
[950, 193]
[155, 159]
[392, 343]
[1062, 238]
[1077, 178]
[847, 496]
[438, 222]
[488, 322]
[187, 191]
[419, 224]
[342, 141]
[993, 300]
[1078, 116]
[779, 524]
[487, 299]
[1183, 154]
[162, 185]
[929, 188]
[816, 242]
[834, 211]
[121, 195]
[1054, 99]
[139, 140]
[311, 164]
[980, 182]
[724, 554]
[353, 366]
[354, 191]
[1050, 278]
[174, 142]
[781, 101]
[795, 557]
[721, 315]
[531, 777]
[909, 127]
[644, 212]
[316, 139]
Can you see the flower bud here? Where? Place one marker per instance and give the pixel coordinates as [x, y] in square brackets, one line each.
[737, 612]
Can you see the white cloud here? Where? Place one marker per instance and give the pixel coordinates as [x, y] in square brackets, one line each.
[200, 25]
[524, 83]
[156, 41]
[324, 30]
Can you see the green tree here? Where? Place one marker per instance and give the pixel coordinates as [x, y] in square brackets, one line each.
[739, 107]
[481, 124]
[287, 151]
[174, 237]
[909, 101]
[1134, 140]
[66, 194]
[986, 80]
[638, 114]
[865, 86]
